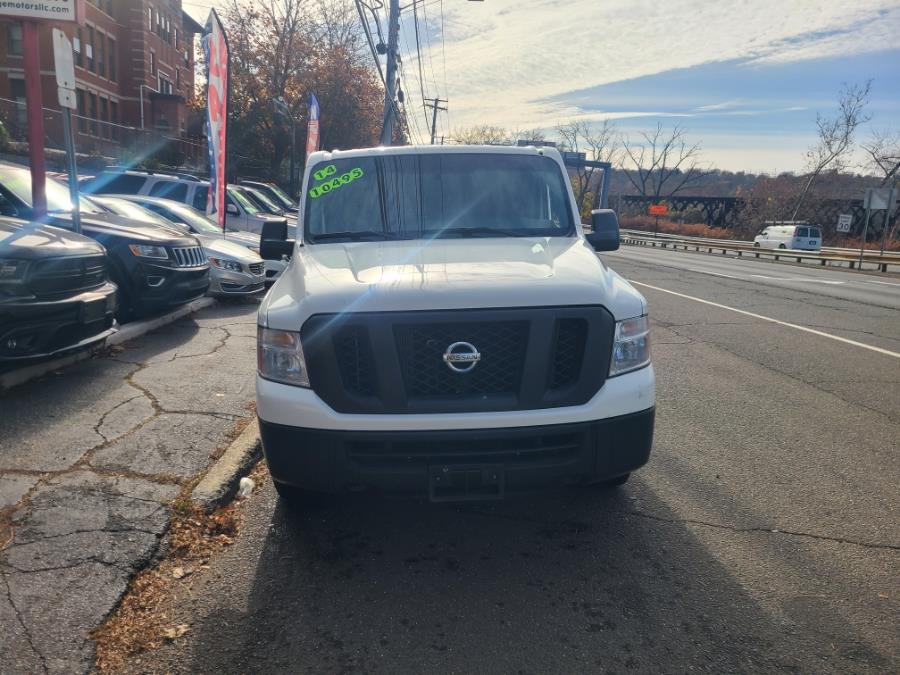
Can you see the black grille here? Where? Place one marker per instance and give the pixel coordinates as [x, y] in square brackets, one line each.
[355, 361]
[67, 276]
[256, 268]
[502, 345]
[568, 352]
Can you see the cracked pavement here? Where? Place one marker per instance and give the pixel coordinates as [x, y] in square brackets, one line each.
[762, 536]
[91, 459]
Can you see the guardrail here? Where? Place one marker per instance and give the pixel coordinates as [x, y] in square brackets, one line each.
[829, 255]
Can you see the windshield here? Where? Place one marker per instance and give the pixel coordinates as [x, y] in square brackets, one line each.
[437, 196]
[197, 221]
[243, 200]
[122, 207]
[267, 204]
[282, 196]
[18, 181]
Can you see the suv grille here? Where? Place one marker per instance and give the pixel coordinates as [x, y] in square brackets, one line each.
[189, 256]
[392, 362]
[67, 275]
[256, 268]
[502, 346]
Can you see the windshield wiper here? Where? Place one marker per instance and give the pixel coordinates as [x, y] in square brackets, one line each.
[364, 235]
[483, 232]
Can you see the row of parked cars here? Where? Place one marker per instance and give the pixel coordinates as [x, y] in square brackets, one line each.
[141, 251]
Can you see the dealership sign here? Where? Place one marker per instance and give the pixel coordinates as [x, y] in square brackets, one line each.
[47, 10]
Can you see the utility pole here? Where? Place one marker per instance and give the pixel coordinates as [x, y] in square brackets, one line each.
[435, 106]
[390, 85]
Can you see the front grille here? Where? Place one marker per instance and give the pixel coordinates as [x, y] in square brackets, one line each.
[502, 346]
[568, 352]
[354, 357]
[189, 256]
[67, 275]
[256, 268]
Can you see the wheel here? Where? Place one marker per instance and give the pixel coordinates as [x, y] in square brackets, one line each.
[781, 246]
[613, 483]
[295, 498]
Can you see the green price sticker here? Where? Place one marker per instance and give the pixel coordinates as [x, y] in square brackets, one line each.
[334, 183]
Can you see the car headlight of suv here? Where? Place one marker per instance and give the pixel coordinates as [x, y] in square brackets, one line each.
[12, 276]
[225, 264]
[631, 347]
[279, 357]
[149, 251]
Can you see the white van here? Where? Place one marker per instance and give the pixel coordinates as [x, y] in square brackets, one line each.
[446, 328]
[799, 237]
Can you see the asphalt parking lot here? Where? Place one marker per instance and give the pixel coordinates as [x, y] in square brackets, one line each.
[762, 537]
[91, 459]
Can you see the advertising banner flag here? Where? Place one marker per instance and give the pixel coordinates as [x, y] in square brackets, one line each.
[215, 48]
[312, 131]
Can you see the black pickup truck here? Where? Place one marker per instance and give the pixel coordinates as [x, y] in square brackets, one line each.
[55, 295]
[154, 267]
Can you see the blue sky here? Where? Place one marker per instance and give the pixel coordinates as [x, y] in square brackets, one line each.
[744, 77]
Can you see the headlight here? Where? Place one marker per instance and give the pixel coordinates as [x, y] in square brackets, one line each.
[149, 251]
[631, 348]
[279, 357]
[224, 264]
[12, 271]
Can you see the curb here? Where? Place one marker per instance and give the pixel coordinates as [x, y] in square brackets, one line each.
[128, 332]
[220, 483]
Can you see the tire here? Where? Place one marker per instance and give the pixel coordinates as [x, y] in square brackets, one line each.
[613, 483]
[295, 498]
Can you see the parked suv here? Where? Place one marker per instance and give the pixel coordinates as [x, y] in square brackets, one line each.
[54, 292]
[154, 268]
[240, 212]
[273, 192]
[446, 328]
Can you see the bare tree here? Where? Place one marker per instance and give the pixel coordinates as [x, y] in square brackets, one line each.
[528, 135]
[481, 134]
[835, 135]
[599, 143]
[662, 164]
[883, 150]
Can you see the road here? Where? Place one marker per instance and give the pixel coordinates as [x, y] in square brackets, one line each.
[762, 537]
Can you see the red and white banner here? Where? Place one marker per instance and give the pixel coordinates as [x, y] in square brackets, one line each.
[215, 47]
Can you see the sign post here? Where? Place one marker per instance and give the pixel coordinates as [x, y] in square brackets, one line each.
[877, 199]
[658, 210]
[31, 13]
[65, 84]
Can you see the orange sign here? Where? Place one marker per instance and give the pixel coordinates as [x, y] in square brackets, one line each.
[658, 210]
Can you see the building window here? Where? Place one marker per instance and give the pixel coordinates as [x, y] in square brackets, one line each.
[104, 117]
[79, 99]
[177, 78]
[150, 18]
[101, 54]
[114, 119]
[77, 48]
[14, 39]
[152, 64]
[111, 57]
[165, 87]
[17, 91]
[92, 113]
[89, 48]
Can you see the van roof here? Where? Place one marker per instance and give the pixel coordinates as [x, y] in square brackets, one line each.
[435, 149]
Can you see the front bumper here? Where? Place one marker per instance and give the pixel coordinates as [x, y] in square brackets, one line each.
[38, 329]
[227, 282]
[520, 458]
[157, 287]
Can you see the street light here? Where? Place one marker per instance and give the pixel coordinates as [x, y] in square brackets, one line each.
[282, 108]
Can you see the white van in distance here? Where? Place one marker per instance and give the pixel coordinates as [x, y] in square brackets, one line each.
[798, 237]
[445, 328]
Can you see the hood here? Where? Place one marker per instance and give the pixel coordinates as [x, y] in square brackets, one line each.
[32, 241]
[243, 238]
[217, 246]
[445, 274]
[110, 227]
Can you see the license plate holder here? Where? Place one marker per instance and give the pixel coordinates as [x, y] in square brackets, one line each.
[92, 310]
[466, 482]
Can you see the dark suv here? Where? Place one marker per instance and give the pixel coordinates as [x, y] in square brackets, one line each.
[154, 267]
[54, 292]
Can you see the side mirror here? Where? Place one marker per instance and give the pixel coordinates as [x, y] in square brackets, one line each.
[273, 241]
[605, 226]
[232, 210]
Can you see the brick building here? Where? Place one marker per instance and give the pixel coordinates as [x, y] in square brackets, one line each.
[134, 67]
